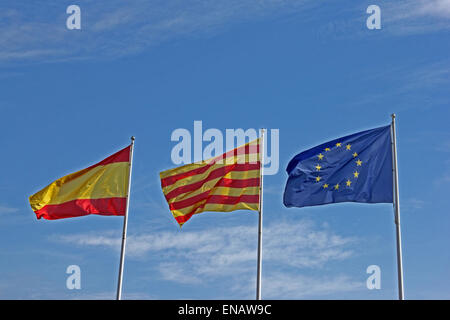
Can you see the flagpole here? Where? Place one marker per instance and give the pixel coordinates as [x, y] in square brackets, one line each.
[259, 266]
[397, 211]
[125, 223]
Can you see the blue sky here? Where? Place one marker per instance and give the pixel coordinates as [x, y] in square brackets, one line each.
[145, 68]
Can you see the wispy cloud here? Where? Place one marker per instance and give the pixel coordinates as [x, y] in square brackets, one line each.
[6, 210]
[428, 76]
[398, 18]
[117, 28]
[412, 82]
[442, 180]
[203, 256]
[423, 81]
[109, 295]
[287, 286]
[405, 9]
[106, 239]
[412, 204]
[416, 16]
[444, 146]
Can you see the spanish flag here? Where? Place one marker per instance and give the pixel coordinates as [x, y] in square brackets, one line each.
[100, 189]
[224, 183]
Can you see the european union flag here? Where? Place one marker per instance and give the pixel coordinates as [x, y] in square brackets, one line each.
[355, 168]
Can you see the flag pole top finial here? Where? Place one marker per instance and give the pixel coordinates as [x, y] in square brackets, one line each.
[393, 116]
[133, 138]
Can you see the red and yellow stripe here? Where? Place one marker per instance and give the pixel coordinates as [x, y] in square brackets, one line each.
[224, 183]
[100, 189]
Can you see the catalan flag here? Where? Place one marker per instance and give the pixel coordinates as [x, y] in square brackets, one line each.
[99, 189]
[224, 183]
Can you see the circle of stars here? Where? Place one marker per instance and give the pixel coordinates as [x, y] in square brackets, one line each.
[349, 182]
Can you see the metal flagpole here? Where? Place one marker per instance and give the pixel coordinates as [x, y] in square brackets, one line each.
[125, 222]
[397, 210]
[261, 158]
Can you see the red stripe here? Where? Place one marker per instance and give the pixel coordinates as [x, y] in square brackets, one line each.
[120, 156]
[172, 179]
[216, 199]
[82, 207]
[219, 172]
[219, 200]
[183, 219]
[238, 183]
[245, 198]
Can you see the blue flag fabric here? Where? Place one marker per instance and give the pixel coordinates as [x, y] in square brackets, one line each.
[355, 168]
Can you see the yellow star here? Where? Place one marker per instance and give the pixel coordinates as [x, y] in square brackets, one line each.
[318, 178]
[359, 162]
[355, 155]
[336, 187]
[325, 186]
[318, 167]
[349, 146]
[356, 174]
[327, 149]
[320, 156]
[349, 183]
[338, 144]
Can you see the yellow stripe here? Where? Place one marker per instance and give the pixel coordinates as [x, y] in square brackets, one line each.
[198, 177]
[240, 158]
[106, 181]
[231, 207]
[224, 191]
[234, 175]
[223, 208]
[231, 191]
